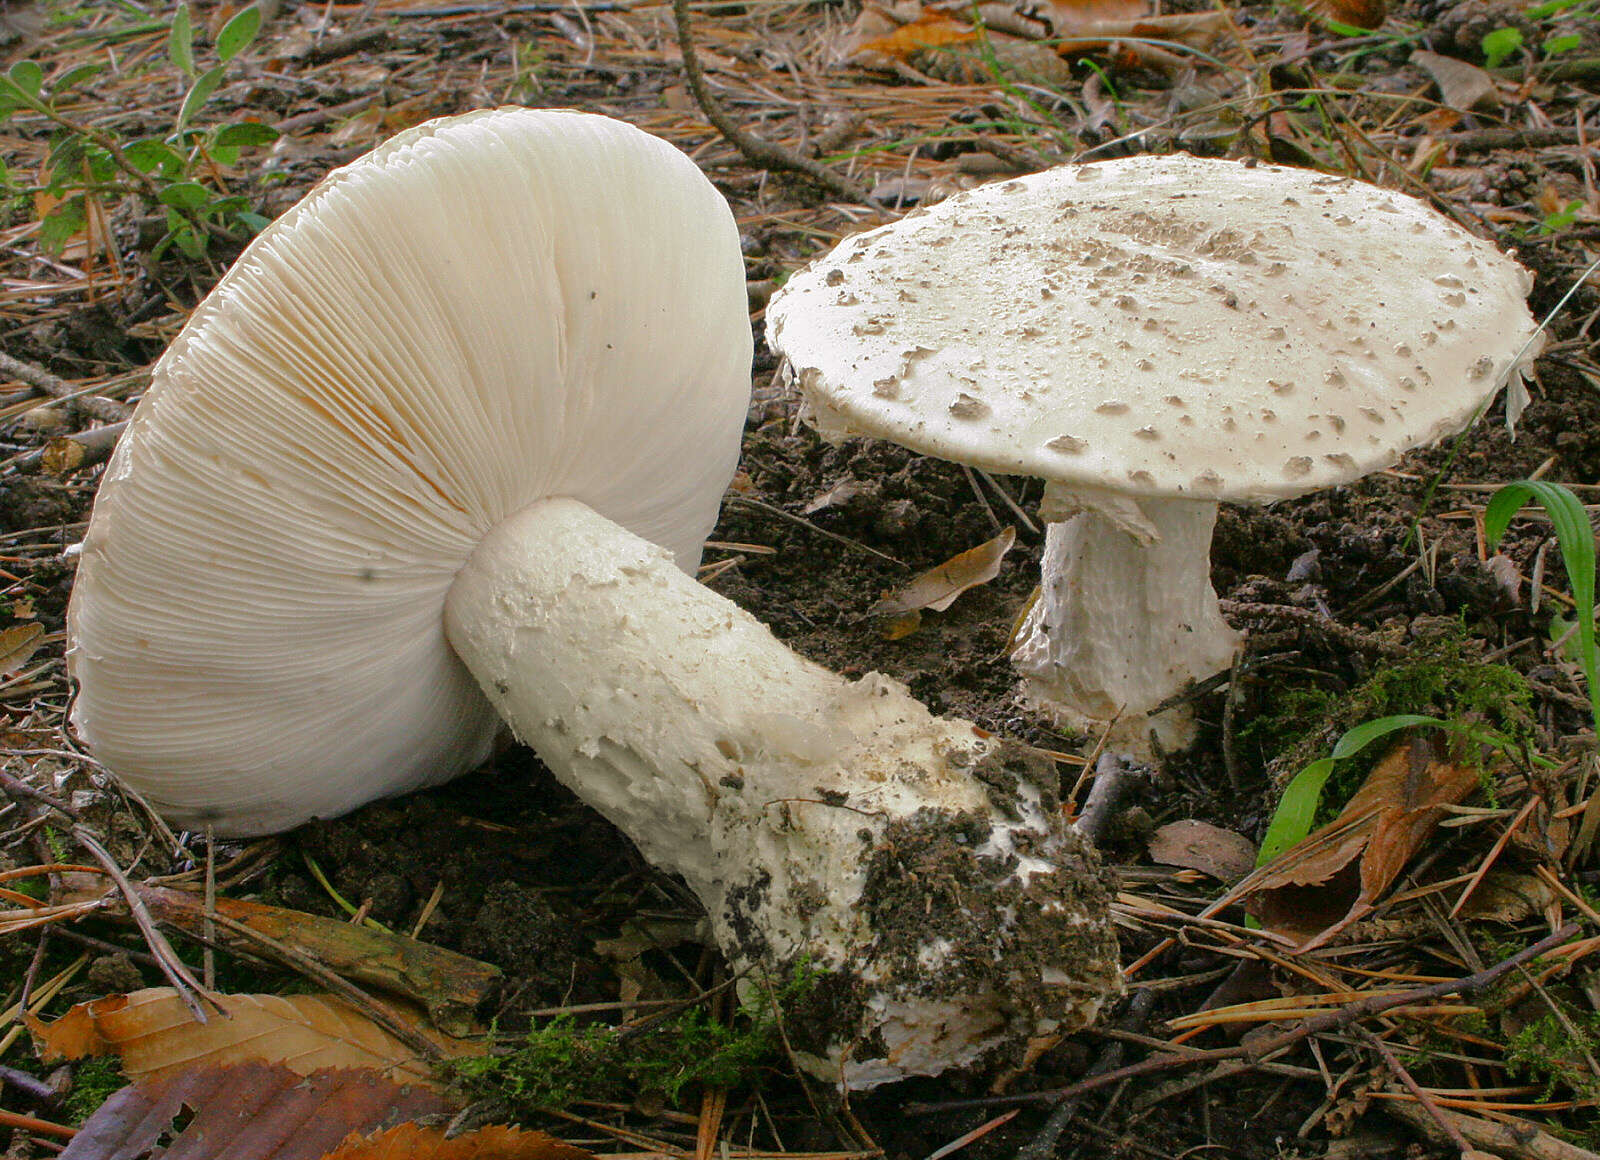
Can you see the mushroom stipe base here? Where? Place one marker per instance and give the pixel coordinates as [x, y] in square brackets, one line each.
[915, 863]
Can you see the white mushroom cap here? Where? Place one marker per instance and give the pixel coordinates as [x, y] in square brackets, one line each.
[486, 310]
[1160, 326]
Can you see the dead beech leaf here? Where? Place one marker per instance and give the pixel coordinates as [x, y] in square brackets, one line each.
[18, 644]
[1384, 823]
[155, 1035]
[1462, 85]
[1360, 13]
[1197, 845]
[261, 1111]
[1081, 17]
[496, 1142]
[930, 30]
[938, 587]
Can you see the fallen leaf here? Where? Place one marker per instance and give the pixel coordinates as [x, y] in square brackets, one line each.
[1201, 846]
[930, 30]
[1358, 13]
[496, 1142]
[18, 644]
[450, 985]
[938, 587]
[248, 1111]
[1462, 85]
[155, 1035]
[1383, 824]
[1508, 896]
[1078, 17]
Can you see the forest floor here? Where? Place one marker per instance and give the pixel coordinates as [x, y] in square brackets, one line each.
[1375, 599]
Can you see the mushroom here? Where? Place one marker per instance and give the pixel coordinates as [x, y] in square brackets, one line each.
[1149, 336]
[440, 450]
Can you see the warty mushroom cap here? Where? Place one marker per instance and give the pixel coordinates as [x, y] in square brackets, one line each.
[484, 311]
[1171, 326]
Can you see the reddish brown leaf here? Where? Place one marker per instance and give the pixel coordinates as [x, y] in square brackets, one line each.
[1385, 823]
[1360, 13]
[1201, 846]
[247, 1111]
[930, 30]
[496, 1142]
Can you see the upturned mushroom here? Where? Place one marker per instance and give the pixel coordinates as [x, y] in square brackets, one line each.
[1150, 336]
[440, 450]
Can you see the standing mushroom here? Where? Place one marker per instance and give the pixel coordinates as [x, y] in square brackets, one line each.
[1150, 336]
[460, 421]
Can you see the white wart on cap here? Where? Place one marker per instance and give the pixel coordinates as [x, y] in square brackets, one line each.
[435, 454]
[1149, 336]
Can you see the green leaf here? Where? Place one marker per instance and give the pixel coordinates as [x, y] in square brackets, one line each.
[199, 93]
[252, 221]
[185, 195]
[1559, 44]
[191, 241]
[28, 77]
[61, 224]
[180, 40]
[1576, 536]
[150, 154]
[1297, 809]
[238, 32]
[246, 133]
[72, 78]
[1499, 44]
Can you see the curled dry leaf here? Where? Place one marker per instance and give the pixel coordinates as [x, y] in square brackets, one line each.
[1462, 85]
[1384, 824]
[154, 1033]
[938, 587]
[497, 1142]
[250, 1111]
[1359, 13]
[1201, 846]
[18, 644]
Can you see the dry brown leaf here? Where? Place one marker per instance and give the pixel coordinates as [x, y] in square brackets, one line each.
[1509, 896]
[1360, 13]
[1084, 17]
[155, 1035]
[247, 1111]
[1462, 85]
[938, 587]
[496, 1142]
[1201, 846]
[452, 986]
[1385, 823]
[931, 30]
[18, 644]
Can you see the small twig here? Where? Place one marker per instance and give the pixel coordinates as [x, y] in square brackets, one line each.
[1111, 777]
[745, 501]
[186, 985]
[58, 388]
[1411, 1085]
[1252, 1053]
[300, 961]
[758, 151]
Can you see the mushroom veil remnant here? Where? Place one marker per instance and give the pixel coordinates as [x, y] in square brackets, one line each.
[1149, 336]
[440, 451]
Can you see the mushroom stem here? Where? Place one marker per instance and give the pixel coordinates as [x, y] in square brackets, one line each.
[1126, 617]
[912, 864]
